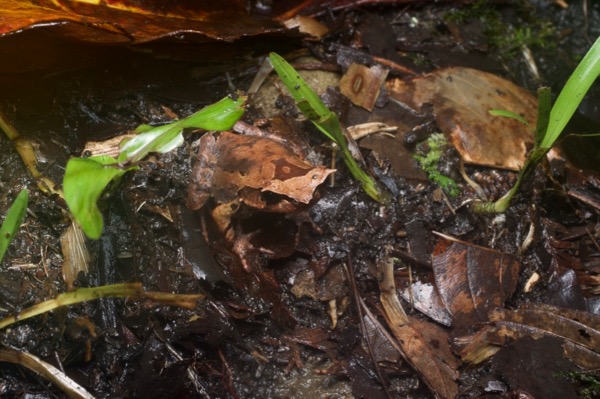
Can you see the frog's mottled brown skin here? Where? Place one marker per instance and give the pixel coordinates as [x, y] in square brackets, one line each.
[232, 166]
[235, 169]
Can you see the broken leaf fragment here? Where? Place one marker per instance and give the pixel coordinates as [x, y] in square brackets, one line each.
[362, 85]
[461, 99]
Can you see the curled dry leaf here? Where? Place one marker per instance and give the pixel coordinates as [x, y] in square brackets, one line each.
[127, 21]
[232, 166]
[579, 330]
[461, 99]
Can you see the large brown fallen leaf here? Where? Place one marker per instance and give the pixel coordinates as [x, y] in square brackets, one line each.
[461, 99]
[132, 21]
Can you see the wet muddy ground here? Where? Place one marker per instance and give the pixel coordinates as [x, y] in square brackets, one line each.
[285, 313]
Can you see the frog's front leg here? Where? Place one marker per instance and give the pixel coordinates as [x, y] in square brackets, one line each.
[240, 244]
[222, 215]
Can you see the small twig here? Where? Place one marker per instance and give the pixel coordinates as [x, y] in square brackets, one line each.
[363, 328]
[228, 375]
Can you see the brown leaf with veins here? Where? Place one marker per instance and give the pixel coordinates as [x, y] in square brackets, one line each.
[579, 330]
[472, 280]
[461, 99]
[232, 166]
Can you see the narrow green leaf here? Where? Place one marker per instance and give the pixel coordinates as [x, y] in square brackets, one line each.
[543, 115]
[508, 114]
[12, 222]
[308, 101]
[85, 180]
[572, 93]
[221, 115]
[326, 121]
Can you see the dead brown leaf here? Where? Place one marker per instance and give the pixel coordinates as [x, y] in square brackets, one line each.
[579, 331]
[461, 99]
[472, 280]
[128, 21]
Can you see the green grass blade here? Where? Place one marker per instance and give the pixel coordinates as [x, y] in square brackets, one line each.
[543, 115]
[326, 121]
[571, 95]
[221, 115]
[12, 222]
[308, 101]
[86, 178]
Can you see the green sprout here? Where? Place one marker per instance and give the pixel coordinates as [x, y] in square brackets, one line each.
[12, 222]
[87, 178]
[551, 121]
[428, 155]
[325, 120]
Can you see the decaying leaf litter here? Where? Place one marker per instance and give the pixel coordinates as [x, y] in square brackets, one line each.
[309, 298]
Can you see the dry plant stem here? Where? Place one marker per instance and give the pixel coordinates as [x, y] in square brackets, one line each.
[126, 290]
[25, 150]
[388, 296]
[46, 370]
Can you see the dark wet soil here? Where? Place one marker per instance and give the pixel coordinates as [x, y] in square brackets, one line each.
[267, 332]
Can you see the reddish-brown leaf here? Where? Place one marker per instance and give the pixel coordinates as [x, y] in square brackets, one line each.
[472, 280]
